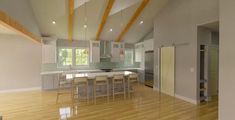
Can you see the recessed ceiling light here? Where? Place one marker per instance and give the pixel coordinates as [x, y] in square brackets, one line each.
[54, 22]
[85, 26]
[111, 30]
[141, 22]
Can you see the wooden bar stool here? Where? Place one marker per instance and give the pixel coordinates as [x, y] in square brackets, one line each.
[101, 81]
[64, 86]
[132, 78]
[118, 80]
[78, 81]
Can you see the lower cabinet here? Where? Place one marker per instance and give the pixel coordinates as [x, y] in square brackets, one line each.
[49, 82]
[141, 75]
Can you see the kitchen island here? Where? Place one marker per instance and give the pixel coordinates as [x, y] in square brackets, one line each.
[50, 78]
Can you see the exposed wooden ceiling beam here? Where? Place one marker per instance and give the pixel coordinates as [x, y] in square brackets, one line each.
[133, 19]
[105, 17]
[70, 20]
[13, 25]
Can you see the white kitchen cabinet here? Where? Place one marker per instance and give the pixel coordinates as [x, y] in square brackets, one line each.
[140, 54]
[49, 52]
[117, 50]
[95, 51]
[50, 81]
[148, 45]
[139, 48]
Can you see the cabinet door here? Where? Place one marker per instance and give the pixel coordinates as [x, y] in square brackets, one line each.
[95, 52]
[115, 51]
[148, 45]
[121, 51]
[48, 82]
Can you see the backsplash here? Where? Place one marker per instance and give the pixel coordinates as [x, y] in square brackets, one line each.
[101, 65]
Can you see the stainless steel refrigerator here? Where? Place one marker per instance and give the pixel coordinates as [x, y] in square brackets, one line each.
[149, 66]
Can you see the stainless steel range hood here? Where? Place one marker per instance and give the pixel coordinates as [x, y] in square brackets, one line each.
[105, 49]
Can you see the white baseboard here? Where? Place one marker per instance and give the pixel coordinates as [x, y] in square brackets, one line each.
[20, 90]
[186, 99]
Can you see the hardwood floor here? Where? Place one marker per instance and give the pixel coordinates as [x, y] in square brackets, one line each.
[145, 104]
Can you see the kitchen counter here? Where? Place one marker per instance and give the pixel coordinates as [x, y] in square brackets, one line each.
[82, 71]
[115, 69]
[68, 71]
[50, 78]
[93, 75]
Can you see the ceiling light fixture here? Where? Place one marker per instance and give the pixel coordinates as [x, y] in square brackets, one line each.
[111, 30]
[85, 26]
[141, 22]
[53, 22]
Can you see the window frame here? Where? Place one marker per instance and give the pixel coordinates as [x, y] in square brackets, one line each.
[73, 57]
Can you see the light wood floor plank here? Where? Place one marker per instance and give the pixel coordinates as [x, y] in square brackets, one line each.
[145, 104]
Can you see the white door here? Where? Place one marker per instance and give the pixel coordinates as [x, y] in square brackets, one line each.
[167, 70]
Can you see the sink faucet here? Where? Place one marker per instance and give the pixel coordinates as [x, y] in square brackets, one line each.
[70, 67]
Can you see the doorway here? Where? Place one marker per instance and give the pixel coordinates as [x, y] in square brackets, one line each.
[208, 41]
[149, 69]
[167, 70]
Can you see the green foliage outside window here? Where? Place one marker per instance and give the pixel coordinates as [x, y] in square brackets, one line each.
[65, 57]
[81, 57]
[72, 56]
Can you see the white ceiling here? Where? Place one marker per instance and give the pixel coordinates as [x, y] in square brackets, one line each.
[5, 30]
[48, 10]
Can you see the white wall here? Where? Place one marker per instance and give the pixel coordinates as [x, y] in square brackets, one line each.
[21, 11]
[20, 63]
[177, 24]
[226, 60]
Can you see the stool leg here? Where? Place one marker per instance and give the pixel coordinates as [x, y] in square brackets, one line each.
[107, 91]
[72, 93]
[129, 93]
[124, 92]
[113, 90]
[57, 97]
[87, 92]
[94, 92]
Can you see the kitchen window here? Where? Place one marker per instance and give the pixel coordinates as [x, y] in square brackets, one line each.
[129, 57]
[65, 56]
[82, 56]
[73, 57]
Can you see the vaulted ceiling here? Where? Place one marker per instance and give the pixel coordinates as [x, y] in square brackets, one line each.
[90, 12]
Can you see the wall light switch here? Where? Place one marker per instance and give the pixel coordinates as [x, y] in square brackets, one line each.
[192, 69]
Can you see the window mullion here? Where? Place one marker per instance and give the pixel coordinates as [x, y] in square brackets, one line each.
[73, 56]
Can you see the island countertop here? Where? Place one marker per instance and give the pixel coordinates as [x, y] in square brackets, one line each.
[93, 75]
[84, 71]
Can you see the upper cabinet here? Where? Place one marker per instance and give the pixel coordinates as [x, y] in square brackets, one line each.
[139, 52]
[94, 51]
[148, 45]
[140, 49]
[117, 51]
[49, 51]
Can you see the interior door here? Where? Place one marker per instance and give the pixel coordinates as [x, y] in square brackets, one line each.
[167, 67]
